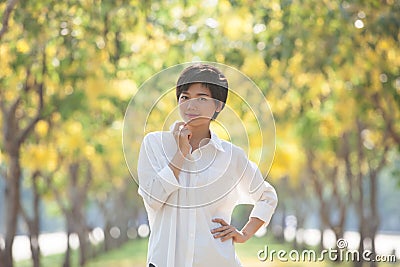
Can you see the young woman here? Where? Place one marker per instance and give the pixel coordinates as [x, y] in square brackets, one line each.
[191, 180]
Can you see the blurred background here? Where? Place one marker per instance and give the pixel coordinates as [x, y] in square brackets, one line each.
[330, 71]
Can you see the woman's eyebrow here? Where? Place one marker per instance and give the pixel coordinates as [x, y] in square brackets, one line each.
[198, 94]
[201, 94]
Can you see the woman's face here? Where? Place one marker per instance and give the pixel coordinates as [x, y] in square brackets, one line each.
[197, 106]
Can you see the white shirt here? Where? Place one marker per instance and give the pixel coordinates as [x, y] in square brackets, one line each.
[216, 177]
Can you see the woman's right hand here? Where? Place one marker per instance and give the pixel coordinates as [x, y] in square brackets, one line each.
[182, 136]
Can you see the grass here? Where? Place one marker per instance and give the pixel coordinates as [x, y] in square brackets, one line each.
[133, 254]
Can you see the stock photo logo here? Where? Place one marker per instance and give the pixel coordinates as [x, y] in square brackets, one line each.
[340, 253]
[246, 121]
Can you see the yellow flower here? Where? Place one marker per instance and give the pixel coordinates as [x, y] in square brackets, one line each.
[22, 46]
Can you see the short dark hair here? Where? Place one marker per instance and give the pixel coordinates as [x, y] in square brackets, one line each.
[209, 76]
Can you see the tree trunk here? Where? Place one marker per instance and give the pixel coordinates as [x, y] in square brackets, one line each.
[360, 248]
[373, 249]
[34, 223]
[321, 244]
[83, 244]
[74, 214]
[12, 182]
[33, 226]
[281, 237]
[67, 255]
[12, 209]
[78, 197]
[360, 199]
[361, 230]
[35, 249]
[374, 218]
[107, 237]
[35, 229]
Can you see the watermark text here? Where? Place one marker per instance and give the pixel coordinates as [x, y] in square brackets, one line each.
[341, 253]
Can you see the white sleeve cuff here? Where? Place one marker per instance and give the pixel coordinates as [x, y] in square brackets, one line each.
[263, 211]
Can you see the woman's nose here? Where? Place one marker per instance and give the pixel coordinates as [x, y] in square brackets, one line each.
[191, 104]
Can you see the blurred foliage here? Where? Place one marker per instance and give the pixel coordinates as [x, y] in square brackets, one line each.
[322, 66]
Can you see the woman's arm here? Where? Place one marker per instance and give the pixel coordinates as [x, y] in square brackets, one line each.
[252, 189]
[182, 136]
[176, 164]
[157, 180]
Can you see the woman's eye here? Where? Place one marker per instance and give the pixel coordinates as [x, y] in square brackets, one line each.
[203, 99]
[183, 97]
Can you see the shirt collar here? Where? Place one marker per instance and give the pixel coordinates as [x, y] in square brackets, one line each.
[215, 140]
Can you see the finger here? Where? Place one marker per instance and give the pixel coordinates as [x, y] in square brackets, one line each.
[177, 125]
[220, 229]
[229, 236]
[224, 233]
[185, 132]
[177, 132]
[221, 221]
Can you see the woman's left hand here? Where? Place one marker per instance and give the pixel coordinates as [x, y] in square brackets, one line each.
[227, 231]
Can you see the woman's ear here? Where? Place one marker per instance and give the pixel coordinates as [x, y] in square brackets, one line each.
[218, 106]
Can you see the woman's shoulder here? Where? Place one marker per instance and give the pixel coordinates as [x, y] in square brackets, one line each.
[232, 148]
[158, 137]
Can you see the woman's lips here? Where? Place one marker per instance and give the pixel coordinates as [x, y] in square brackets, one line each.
[192, 115]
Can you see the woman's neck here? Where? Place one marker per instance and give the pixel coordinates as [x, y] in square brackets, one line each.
[198, 134]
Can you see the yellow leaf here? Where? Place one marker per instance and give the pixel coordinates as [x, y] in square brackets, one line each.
[125, 89]
[237, 27]
[89, 151]
[22, 46]
[254, 66]
[41, 128]
[39, 157]
[56, 116]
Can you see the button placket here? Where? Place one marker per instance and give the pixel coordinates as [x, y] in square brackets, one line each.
[192, 211]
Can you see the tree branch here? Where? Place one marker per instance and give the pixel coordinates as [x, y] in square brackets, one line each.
[24, 215]
[360, 174]
[89, 177]
[382, 161]
[6, 17]
[10, 126]
[2, 104]
[22, 209]
[324, 208]
[349, 171]
[50, 184]
[14, 106]
[25, 132]
[387, 118]
[56, 194]
[3, 173]
[28, 75]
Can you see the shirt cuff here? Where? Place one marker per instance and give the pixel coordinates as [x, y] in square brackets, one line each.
[262, 211]
[168, 180]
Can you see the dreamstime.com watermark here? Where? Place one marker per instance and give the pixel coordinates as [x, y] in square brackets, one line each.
[341, 253]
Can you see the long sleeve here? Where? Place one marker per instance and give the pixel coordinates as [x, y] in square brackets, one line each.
[156, 179]
[253, 189]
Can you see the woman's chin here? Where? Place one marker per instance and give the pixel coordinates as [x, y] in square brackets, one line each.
[196, 121]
